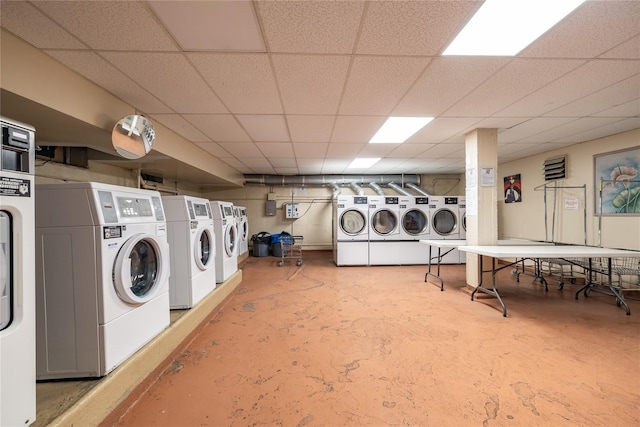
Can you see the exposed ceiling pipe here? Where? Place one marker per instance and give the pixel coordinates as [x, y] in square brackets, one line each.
[416, 188]
[376, 188]
[356, 188]
[336, 189]
[398, 189]
[323, 180]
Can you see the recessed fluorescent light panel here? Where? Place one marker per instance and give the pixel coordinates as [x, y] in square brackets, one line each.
[398, 129]
[505, 27]
[363, 162]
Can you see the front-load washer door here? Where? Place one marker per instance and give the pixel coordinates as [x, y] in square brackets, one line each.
[204, 250]
[139, 269]
[352, 222]
[6, 271]
[444, 222]
[230, 240]
[415, 222]
[384, 222]
[244, 230]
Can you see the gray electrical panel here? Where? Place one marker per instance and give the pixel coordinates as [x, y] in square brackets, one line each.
[270, 208]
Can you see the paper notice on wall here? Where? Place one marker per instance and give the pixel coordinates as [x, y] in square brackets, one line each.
[571, 203]
[488, 177]
[472, 201]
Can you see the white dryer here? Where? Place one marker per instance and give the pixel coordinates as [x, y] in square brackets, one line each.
[384, 230]
[445, 224]
[17, 275]
[225, 228]
[102, 276]
[193, 249]
[351, 227]
[243, 230]
[462, 216]
[414, 226]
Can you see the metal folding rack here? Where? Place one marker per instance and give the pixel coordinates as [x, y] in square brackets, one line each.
[291, 248]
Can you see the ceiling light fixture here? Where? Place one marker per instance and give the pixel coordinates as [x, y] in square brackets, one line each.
[398, 129]
[505, 27]
[363, 162]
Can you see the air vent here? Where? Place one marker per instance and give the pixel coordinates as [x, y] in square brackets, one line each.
[554, 168]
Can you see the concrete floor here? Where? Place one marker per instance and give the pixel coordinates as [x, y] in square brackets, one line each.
[321, 345]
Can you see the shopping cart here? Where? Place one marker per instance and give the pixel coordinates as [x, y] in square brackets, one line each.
[291, 247]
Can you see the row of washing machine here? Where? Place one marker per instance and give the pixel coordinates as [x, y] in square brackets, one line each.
[386, 230]
[112, 261]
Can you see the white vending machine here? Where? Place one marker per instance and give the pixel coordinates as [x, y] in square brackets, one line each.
[17, 276]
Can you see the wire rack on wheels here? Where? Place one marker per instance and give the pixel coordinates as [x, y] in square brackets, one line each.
[291, 248]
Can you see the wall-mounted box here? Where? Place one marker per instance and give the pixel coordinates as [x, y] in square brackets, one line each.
[291, 210]
[270, 208]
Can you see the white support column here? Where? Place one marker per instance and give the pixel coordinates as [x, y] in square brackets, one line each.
[481, 148]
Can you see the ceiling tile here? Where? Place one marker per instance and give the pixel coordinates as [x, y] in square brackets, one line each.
[311, 27]
[631, 108]
[283, 162]
[408, 150]
[335, 166]
[28, 23]
[99, 71]
[241, 149]
[356, 128]
[310, 165]
[411, 27]
[310, 84]
[178, 85]
[606, 99]
[441, 129]
[211, 25]
[265, 127]
[110, 25]
[604, 130]
[571, 129]
[237, 164]
[376, 84]
[443, 150]
[589, 31]
[343, 150]
[532, 127]
[214, 148]
[376, 150]
[627, 50]
[286, 171]
[580, 82]
[244, 82]
[514, 81]
[276, 149]
[310, 150]
[218, 127]
[445, 81]
[255, 162]
[180, 126]
[310, 128]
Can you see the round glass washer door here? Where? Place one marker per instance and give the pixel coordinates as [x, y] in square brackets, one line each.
[230, 240]
[139, 269]
[352, 222]
[384, 222]
[444, 222]
[205, 250]
[415, 222]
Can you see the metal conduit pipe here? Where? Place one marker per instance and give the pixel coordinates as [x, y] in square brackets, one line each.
[356, 188]
[336, 190]
[321, 180]
[398, 189]
[418, 189]
[376, 188]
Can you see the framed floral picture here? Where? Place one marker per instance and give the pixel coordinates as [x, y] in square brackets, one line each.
[617, 173]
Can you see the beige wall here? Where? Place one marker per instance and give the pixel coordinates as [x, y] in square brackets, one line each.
[527, 219]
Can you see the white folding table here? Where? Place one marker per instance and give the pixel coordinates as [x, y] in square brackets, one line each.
[564, 252]
[455, 244]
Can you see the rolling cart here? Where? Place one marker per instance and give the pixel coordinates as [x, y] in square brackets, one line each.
[291, 248]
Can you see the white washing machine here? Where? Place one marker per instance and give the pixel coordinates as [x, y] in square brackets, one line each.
[102, 276]
[193, 250]
[462, 216]
[226, 231]
[243, 230]
[351, 226]
[17, 275]
[414, 226]
[445, 224]
[384, 230]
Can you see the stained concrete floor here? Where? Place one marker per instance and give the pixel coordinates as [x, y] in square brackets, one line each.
[321, 345]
